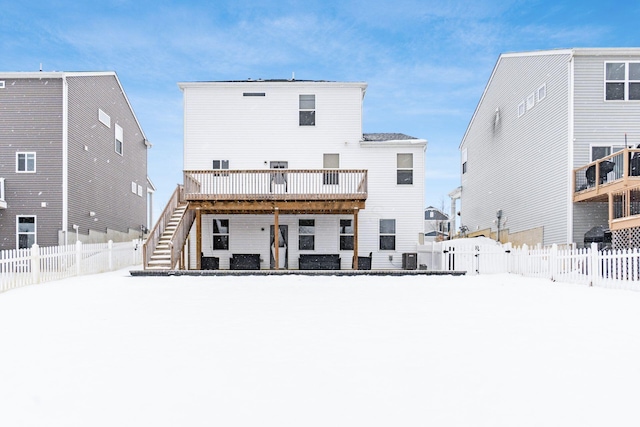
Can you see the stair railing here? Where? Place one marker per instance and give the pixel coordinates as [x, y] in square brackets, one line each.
[180, 235]
[151, 243]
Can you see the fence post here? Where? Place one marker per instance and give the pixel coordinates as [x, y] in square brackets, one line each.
[594, 270]
[110, 252]
[553, 259]
[78, 257]
[35, 263]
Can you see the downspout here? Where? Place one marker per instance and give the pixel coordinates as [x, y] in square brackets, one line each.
[571, 142]
[65, 159]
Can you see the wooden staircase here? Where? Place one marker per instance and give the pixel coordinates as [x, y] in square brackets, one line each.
[163, 248]
[161, 257]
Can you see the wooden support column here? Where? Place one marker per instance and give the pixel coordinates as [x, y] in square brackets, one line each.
[198, 239]
[610, 210]
[355, 239]
[276, 238]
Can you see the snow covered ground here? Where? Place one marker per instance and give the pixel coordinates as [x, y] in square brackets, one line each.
[494, 350]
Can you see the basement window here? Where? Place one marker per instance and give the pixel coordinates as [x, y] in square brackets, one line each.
[220, 234]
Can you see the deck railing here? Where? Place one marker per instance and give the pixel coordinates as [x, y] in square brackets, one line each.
[620, 167]
[275, 184]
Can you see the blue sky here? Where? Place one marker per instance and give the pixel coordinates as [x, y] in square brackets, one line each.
[426, 62]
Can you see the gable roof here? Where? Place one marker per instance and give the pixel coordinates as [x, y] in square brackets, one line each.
[438, 215]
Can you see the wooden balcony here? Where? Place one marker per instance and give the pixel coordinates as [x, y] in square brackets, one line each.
[617, 172]
[294, 190]
[615, 180]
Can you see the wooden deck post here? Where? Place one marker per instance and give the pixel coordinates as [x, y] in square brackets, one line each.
[198, 239]
[276, 237]
[355, 239]
[610, 210]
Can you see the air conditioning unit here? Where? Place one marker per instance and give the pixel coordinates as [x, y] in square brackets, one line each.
[409, 261]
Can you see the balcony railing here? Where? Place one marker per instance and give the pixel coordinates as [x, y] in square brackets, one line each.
[276, 184]
[609, 174]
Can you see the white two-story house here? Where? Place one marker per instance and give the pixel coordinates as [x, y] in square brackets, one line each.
[289, 155]
[550, 151]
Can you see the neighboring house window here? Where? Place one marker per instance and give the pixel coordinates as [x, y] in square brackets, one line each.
[1, 84]
[601, 151]
[405, 168]
[307, 110]
[622, 81]
[104, 118]
[521, 109]
[387, 234]
[541, 93]
[306, 234]
[464, 161]
[25, 231]
[531, 101]
[134, 187]
[26, 162]
[221, 234]
[140, 190]
[119, 140]
[330, 161]
[346, 235]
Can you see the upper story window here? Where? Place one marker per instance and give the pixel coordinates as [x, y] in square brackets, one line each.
[104, 118]
[601, 151]
[307, 110]
[2, 84]
[26, 162]
[464, 161]
[119, 140]
[220, 164]
[404, 173]
[622, 81]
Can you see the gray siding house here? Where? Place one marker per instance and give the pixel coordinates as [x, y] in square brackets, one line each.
[543, 119]
[73, 160]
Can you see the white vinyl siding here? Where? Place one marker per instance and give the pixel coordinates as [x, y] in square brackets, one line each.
[507, 161]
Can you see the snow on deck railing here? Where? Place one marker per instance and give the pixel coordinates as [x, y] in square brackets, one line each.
[21, 267]
[618, 269]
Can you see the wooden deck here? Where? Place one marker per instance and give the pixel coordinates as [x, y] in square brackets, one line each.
[614, 180]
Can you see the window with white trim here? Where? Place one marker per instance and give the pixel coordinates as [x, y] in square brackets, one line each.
[134, 187]
[306, 234]
[541, 93]
[387, 234]
[531, 101]
[307, 105]
[346, 234]
[104, 118]
[601, 151]
[119, 140]
[464, 161]
[622, 81]
[404, 172]
[2, 86]
[521, 109]
[220, 234]
[25, 231]
[26, 162]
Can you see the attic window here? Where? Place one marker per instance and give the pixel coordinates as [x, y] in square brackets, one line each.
[531, 101]
[253, 94]
[541, 93]
[104, 118]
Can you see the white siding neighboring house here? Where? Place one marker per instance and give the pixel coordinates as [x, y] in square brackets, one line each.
[436, 224]
[543, 118]
[292, 153]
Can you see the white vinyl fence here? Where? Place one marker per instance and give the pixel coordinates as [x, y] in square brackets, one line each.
[21, 267]
[612, 269]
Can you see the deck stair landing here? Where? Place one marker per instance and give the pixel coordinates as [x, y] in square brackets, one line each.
[161, 257]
